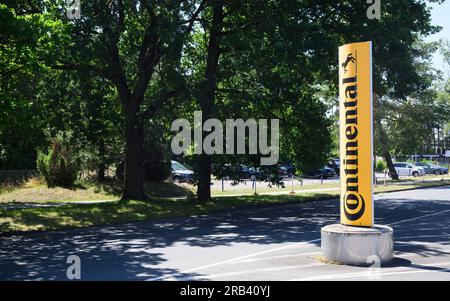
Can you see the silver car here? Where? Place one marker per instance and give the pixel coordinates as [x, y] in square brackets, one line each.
[405, 169]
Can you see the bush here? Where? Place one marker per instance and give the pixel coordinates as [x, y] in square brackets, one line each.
[380, 166]
[58, 166]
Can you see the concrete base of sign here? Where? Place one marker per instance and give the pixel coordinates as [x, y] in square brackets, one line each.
[357, 245]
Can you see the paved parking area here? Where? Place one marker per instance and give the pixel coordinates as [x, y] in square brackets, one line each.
[272, 243]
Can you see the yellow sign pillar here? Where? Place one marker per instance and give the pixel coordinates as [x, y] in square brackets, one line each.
[356, 134]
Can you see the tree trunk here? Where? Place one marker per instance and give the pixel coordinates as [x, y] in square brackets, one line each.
[101, 162]
[390, 164]
[207, 96]
[204, 178]
[134, 158]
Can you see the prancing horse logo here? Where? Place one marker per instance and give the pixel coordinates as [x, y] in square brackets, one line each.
[349, 59]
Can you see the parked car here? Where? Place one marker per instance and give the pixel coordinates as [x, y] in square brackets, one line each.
[181, 173]
[285, 170]
[429, 168]
[325, 172]
[404, 169]
[336, 165]
[442, 170]
[248, 172]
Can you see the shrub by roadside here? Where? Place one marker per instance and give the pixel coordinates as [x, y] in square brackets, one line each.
[58, 166]
[380, 165]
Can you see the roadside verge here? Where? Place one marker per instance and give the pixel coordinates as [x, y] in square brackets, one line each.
[85, 215]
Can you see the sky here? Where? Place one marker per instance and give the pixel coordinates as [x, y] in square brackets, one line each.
[440, 15]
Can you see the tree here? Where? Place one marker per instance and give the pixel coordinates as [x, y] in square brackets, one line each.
[257, 65]
[136, 65]
[23, 38]
[285, 51]
[101, 122]
[133, 44]
[396, 50]
[207, 93]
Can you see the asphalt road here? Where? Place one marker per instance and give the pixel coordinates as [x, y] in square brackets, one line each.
[272, 243]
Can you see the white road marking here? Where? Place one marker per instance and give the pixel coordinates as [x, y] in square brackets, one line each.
[279, 257]
[303, 243]
[419, 217]
[417, 243]
[422, 236]
[233, 260]
[391, 271]
[226, 274]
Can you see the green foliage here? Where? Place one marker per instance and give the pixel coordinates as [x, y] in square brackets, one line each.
[380, 165]
[268, 69]
[277, 60]
[58, 166]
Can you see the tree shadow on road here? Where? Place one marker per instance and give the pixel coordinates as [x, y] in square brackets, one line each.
[131, 251]
[140, 251]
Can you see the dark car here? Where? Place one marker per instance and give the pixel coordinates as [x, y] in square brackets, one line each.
[235, 171]
[325, 172]
[442, 170]
[428, 168]
[181, 173]
[285, 170]
[248, 172]
[336, 165]
[432, 169]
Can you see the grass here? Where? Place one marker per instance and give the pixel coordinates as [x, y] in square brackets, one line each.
[114, 212]
[72, 216]
[35, 191]
[247, 190]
